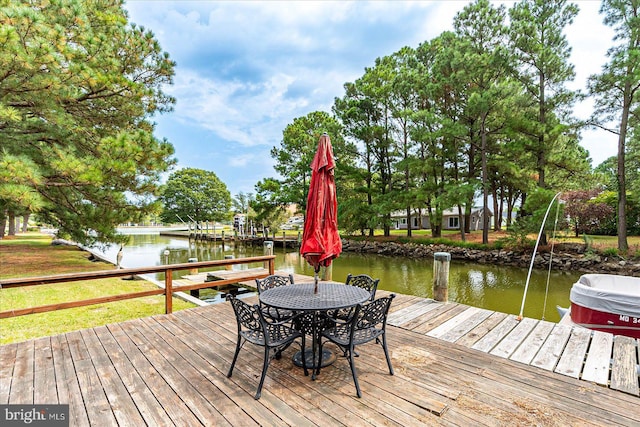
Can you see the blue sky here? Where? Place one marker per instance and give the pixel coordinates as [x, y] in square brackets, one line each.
[247, 69]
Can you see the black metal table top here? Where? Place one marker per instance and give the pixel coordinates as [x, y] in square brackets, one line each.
[300, 297]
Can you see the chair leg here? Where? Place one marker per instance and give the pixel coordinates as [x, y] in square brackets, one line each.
[318, 364]
[386, 353]
[265, 366]
[353, 372]
[304, 359]
[235, 357]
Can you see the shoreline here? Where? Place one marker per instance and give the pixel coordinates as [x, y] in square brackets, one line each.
[567, 258]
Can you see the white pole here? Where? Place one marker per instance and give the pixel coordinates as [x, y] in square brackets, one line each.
[533, 257]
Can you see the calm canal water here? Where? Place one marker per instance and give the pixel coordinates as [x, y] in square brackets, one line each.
[493, 287]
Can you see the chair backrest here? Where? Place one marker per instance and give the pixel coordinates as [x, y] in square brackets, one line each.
[248, 317]
[365, 282]
[373, 313]
[273, 281]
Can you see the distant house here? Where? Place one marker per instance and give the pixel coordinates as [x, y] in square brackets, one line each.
[450, 220]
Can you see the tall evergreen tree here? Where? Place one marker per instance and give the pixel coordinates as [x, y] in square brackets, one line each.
[294, 156]
[483, 65]
[543, 53]
[79, 85]
[617, 91]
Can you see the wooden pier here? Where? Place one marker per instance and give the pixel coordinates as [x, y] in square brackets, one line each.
[573, 351]
[278, 241]
[454, 365]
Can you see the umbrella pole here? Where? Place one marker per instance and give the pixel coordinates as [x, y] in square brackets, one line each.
[315, 288]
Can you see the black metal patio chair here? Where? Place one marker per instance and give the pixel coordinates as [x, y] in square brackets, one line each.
[255, 328]
[270, 282]
[368, 323]
[363, 281]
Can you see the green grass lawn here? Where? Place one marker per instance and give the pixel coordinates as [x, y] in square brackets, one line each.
[31, 254]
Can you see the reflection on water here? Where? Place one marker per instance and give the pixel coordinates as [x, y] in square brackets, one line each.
[498, 288]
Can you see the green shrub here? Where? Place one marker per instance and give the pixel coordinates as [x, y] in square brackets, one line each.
[610, 252]
[518, 236]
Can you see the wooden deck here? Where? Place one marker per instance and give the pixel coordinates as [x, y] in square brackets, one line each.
[455, 365]
[564, 349]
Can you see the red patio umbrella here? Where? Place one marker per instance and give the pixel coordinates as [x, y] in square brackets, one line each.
[320, 240]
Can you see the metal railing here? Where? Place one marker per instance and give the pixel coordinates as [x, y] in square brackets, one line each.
[167, 291]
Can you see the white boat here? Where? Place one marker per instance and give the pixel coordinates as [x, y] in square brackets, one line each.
[607, 302]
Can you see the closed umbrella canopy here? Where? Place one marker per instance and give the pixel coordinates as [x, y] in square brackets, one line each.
[320, 240]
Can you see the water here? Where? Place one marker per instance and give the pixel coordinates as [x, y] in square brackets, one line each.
[494, 287]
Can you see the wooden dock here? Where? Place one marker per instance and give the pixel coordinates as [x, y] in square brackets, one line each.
[278, 241]
[572, 351]
[455, 365]
[562, 348]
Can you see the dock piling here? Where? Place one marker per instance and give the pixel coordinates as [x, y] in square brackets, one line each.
[228, 267]
[267, 247]
[441, 261]
[193, 270]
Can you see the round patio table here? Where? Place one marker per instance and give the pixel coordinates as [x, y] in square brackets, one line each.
[300, 298]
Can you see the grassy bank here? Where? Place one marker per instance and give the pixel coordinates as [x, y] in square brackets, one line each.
[32, 254]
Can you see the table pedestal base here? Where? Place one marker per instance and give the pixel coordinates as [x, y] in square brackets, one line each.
[328, 357]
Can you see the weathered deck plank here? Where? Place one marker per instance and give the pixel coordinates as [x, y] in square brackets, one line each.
[547, 357]
[596, 367]
[399, 317]
[514, 338]
[172, 368]
[149, 407]
[572, 358]
[7, 364]
[455, 328]
[493, 337]
[120, 399]
[89, 382]
[624, 375]
[161, 391]
[67, 382]
[438, 317]
[483, 328]
[533, 343]
[44, 372]
[22, 383]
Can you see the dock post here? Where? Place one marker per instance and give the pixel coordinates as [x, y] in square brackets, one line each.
[284, 239]
[193, 270]
[441, 262]
[194, 292]
[267, 247]
[327, 272]
[228, 267]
